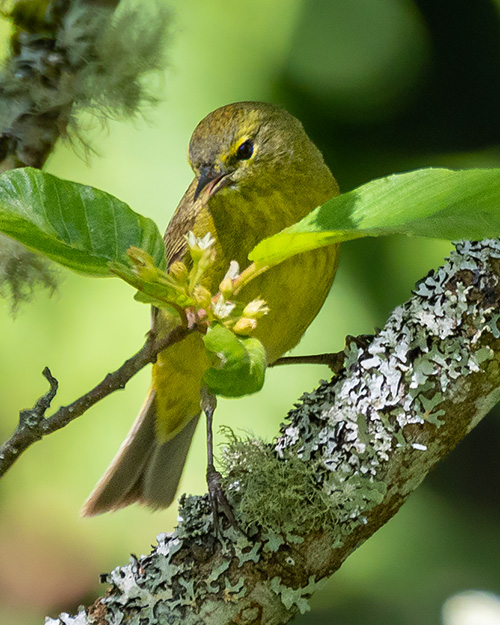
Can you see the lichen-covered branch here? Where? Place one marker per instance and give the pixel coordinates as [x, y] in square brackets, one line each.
[70, 55]
[348, 457]
[33, 425]
[67, 56]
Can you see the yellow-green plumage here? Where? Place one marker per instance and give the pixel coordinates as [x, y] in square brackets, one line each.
[241, 201]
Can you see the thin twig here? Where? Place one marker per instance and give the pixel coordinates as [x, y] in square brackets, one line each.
[33, 425]
[334, 360]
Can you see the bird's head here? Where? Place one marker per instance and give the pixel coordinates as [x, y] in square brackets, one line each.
[239, 144]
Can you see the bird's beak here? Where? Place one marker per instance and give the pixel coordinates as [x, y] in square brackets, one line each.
[209, 179]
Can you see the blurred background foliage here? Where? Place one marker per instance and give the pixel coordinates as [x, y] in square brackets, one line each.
[382, 86]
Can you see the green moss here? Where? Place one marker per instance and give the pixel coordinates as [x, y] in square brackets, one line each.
[279, 494]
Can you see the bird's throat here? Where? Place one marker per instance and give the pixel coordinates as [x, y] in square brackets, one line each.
[242, 219]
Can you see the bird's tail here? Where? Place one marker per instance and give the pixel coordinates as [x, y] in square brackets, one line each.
[145, 470]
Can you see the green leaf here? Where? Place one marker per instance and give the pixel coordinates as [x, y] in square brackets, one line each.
[241, 363]
[75, 225]
[150, 291]
[436, 203]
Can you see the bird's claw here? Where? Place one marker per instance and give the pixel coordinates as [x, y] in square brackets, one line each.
[218, 500]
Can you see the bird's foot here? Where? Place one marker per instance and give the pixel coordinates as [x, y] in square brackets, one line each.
[334, 360]
[362, 340]
[218, 500]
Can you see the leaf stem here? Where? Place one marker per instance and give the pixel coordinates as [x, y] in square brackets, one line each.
[246, 276]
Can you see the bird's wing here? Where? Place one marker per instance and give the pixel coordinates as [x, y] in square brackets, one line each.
[181, 223]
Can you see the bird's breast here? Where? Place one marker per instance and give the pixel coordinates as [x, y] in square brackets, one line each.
[243, 218]
[295, 289]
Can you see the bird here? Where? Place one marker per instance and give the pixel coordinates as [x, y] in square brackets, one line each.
[256, 172]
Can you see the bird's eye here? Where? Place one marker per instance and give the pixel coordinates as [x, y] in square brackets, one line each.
[245, 150]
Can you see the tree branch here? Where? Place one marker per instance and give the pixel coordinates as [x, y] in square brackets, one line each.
[33, 425]
[36, 103]
[67, 59]
[347, 459]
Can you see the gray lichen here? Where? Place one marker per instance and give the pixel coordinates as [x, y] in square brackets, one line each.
[426, 350]
[65, 619]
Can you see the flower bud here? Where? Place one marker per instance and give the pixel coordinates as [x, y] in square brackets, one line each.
[234, 270]
[245, 326]
[202, 296]
[255, 309]
[143, 264]
[179, 271]
[226, 287]
[222, 308]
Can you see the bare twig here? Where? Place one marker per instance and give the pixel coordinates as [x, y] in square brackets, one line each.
[334, 360]
[33, 425]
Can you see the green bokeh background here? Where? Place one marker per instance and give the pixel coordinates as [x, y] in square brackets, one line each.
[382, 86]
